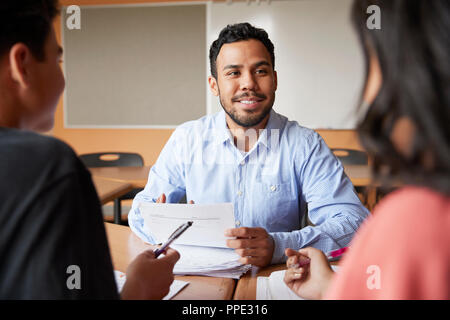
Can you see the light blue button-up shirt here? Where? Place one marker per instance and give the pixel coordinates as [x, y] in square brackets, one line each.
[289, 171]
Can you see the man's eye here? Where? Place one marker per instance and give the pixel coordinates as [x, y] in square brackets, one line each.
[233, 73]
[261, 71]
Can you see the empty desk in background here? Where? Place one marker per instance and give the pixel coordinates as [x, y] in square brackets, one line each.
[109, 190]
[136, 176]
[125, 246]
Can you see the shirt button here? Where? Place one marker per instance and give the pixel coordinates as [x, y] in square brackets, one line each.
[238, 223]
[242, 162]
[239, 193]
[273, 188]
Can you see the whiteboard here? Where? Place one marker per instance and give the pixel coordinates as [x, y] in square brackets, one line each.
[317, 57]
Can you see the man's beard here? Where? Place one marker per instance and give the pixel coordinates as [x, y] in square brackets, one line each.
[251, 119]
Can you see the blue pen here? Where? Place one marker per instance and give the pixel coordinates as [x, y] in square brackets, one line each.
[173, 237]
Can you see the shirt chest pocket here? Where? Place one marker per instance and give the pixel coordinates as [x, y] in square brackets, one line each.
[276, 206]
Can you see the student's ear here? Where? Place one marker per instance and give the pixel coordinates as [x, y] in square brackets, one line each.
[20, 59]
[213, 85]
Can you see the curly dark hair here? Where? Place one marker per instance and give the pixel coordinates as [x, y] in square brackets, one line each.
[26, 21]
[413, 50]
[238, 32]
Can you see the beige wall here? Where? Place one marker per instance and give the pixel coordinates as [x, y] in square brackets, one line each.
[147, 142]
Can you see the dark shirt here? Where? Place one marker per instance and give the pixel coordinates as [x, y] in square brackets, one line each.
[50, 220]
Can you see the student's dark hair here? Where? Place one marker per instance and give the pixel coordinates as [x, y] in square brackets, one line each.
[413, 50]
[238, 32]
[28, 22]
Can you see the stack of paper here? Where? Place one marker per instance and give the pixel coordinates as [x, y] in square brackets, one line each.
[175, 287]
[202, 247]
[274, 288]
[209, 261]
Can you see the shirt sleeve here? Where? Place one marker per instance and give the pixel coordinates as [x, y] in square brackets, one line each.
[166, 176]
[333, 205]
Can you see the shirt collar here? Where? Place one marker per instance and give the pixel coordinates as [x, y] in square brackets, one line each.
[274, 123]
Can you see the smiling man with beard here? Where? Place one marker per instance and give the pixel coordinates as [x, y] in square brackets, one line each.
[271, 169]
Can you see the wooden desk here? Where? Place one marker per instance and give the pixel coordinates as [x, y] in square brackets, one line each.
[246, 286]
[136, 176]
[125, 246]
[109, 190]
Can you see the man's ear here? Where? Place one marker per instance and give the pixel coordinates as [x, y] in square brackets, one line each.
[20, 58]
[275, 80]
[213, 85]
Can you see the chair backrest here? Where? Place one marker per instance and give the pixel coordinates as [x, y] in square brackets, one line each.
[351, 156]
[112, 159]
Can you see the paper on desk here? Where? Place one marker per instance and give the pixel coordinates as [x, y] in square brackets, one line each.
[274, 288]
[210, 222]
[209, 261]
[175, 287]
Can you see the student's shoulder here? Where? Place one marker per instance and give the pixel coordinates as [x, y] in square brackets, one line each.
[28, 150]
[415, 200]
[414, 210]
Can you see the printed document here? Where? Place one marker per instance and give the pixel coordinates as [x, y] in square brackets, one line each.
[209, 222]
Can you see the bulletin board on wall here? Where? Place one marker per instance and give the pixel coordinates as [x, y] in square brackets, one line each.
[135, 66]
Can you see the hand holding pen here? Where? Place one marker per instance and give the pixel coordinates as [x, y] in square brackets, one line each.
[178, 232]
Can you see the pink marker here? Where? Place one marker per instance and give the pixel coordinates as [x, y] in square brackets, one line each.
[334, 255]
[331, 256]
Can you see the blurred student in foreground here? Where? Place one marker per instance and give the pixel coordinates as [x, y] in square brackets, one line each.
[50, 215]
[403, 250]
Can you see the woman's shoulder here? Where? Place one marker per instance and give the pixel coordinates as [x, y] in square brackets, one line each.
[411, 205]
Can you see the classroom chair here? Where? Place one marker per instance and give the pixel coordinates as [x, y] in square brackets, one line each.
[115, 159]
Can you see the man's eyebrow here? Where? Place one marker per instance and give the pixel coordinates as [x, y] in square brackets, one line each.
[262, 63]
[232, 66]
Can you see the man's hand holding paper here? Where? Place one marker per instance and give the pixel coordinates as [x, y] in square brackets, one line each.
[254, 245]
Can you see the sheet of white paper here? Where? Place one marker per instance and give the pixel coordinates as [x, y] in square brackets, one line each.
[263, 292]
[175, 287]
[209, 222]
[274, 288]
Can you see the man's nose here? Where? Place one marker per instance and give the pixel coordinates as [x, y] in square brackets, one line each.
[248, 82]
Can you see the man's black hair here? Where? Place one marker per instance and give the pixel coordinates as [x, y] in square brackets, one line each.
[238, 32]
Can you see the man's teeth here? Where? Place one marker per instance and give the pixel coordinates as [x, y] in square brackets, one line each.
[247, 102]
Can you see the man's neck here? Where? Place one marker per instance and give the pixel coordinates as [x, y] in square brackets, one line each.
[245, 138]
